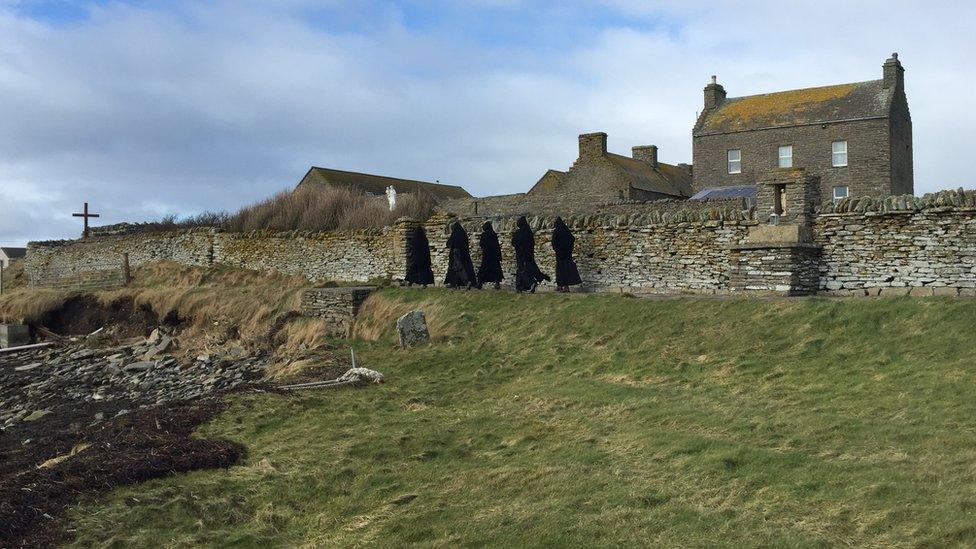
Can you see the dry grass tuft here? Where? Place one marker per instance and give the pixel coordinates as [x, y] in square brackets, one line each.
[378, 315]
[212, 306]
[314, 208]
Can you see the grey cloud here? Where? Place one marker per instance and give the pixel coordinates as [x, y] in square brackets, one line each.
[214, 105]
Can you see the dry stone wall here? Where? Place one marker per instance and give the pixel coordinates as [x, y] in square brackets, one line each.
[337, 306]
[683, 252]
[355, 256]
[863, 246]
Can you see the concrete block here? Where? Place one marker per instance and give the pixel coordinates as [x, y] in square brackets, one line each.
[14, 335]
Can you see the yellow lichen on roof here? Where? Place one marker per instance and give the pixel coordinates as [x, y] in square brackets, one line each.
[771, 104]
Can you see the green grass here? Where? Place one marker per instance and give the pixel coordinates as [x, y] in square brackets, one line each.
[564, 421]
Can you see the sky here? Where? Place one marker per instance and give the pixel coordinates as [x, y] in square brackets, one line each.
[151, 108]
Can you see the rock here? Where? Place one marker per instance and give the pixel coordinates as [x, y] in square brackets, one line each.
[84, 353]
[36, 415]
[412, 329]
[164, 344]
[27, 367]
[236, 351]
[154, 337]
[139, 366]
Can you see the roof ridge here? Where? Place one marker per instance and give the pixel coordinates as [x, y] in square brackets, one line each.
[384, 177]
[804, 89]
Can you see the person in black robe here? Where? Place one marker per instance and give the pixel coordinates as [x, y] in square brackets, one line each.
[562, 244]
[490, 269]
[418, 259]
[460, 269]
[527, 272]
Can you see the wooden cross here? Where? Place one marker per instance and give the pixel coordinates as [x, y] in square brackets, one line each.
[85, 215]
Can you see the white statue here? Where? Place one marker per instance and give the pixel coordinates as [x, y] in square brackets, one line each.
[391, 196]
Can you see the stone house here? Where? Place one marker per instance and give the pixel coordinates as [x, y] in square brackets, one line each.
[9, 255]
[375, 185]
[548, 182]
[600, 176]
[856, 138]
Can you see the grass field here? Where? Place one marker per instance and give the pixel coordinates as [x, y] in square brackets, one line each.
[604, 420]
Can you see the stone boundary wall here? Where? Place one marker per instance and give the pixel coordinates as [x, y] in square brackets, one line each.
[513, 205]
[658, 252]
[337, 306]
[866, 246]
[355, 256]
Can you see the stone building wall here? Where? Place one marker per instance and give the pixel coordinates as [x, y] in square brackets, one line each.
[868, 170]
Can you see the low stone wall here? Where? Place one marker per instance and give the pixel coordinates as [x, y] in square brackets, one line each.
[680, 252]
[338, 306]
[867, 246]
[930, 252]
[355, 256]
[513, 205]
[790, 269]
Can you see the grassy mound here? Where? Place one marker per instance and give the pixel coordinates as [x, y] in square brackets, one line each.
[559, 420]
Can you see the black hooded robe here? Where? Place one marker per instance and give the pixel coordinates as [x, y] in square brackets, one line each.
[490, 269]
[567, 274]
[460, 269]
[418, 259]
[527, 272]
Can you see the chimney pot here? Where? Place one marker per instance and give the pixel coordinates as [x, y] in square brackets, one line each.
[714, 79]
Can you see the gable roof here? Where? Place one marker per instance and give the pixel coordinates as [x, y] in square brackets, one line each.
[377, 184]
[807, 106]
[665, 179]
[548, 182]
[14, 253]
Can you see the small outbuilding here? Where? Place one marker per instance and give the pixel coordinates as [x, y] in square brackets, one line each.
[10, 255]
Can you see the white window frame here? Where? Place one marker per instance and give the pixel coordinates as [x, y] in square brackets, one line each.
[835, 153]
[847, 192]
[737, 161]
[787, 157]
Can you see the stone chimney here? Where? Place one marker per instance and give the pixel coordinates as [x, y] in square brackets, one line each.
[645, 153]
[714, 94]
[592, 145]
[894, 74]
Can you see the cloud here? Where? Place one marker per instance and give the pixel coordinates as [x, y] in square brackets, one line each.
[144, 109]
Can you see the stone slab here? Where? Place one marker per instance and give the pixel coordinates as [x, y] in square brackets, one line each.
[14, 335]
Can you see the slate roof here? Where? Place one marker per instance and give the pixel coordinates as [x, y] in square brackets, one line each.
[665, 179]
[14, 253]
[798, 107]
[377, 184]
[719, 193]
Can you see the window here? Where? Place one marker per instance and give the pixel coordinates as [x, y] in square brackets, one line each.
[840, 192]
[735, 161]
[839, 154]
[786, 156]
